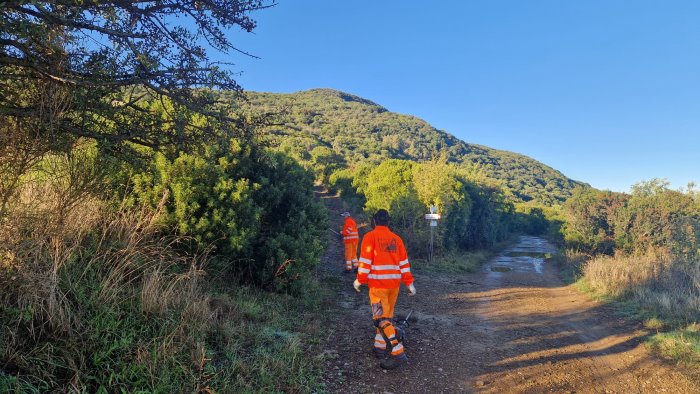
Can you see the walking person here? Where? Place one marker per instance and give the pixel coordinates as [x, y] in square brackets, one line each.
[350, 240]
[383, 267]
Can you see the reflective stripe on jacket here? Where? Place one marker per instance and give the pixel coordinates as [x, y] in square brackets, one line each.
[383, 260]
[349, 231]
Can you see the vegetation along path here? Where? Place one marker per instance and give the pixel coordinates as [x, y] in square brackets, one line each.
[513, 327]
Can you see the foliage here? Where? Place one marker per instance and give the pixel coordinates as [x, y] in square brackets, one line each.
[475, 213]
[445, 187]
[126, 191]
[652, 217]
[361, 131]
[491, 219]
[81, 69]
[253, 209]
[535, 219]
[97, 297]
[325, 162]
[389, 185]
[341, 181]
[590, 216]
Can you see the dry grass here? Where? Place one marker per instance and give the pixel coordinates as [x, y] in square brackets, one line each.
[662, 291]
[655, 280]
[93, 297]
[71, 268]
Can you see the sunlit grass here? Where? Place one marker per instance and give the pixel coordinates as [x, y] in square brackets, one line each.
[454, 262]
[654, 289]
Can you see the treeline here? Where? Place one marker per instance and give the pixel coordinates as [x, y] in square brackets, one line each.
[335, 129]
[476, 212]
[651, 217]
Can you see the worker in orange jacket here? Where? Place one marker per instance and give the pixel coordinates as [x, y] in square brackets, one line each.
[350, 240]
[383, 266]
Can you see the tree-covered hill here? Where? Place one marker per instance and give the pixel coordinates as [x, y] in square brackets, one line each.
[351, 129]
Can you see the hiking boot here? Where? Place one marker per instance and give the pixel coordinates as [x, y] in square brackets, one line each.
[394, 362]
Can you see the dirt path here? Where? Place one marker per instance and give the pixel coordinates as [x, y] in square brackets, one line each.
[513, 327]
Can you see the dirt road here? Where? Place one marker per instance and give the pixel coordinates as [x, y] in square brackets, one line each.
[513, 327]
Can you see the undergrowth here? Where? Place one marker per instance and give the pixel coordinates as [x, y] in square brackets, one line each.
[462, 261]
[661, 292]
[453, 262]
[102, 300]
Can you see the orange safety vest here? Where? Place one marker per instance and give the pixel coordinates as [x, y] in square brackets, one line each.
[349, 231]
[383, 260]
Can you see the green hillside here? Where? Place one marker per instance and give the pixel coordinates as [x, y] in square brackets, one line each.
[360, 130]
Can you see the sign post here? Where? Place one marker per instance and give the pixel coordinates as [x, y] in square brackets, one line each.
[433, 217]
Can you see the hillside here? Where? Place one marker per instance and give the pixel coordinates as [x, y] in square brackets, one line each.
[361, 130]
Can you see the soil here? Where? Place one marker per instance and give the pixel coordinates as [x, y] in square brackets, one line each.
[512, 327]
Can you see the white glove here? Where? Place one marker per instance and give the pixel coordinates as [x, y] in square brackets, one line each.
[411, 290]
[356, 285]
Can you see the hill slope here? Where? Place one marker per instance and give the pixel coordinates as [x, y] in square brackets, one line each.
[361, 130]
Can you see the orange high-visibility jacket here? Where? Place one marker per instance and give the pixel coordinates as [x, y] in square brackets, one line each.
[383, 260]
[349, 231]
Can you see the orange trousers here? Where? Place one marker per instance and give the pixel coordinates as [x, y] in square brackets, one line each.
[382, 302]
[350, 255]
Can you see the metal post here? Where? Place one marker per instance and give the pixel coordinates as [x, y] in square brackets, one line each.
[430, 255]
[432, 218]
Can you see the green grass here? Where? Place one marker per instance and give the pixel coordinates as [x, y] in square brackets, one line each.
[454, 262]
[259, 342]
[681, 344]
[268, 351]
[460, 261]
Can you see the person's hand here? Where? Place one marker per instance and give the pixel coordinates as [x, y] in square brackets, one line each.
[356, 285]
[411, 290]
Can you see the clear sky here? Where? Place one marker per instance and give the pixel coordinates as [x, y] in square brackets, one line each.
[606, 91]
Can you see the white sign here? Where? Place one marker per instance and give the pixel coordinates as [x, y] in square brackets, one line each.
[433, 223]
[432, 216]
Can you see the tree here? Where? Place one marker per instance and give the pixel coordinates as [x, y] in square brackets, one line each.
[325, 162]
[388, 184]
[590, 225]
[83, 68]
[440, 184]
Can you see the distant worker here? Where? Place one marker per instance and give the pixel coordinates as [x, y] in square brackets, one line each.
[350, 240]
[383, 266]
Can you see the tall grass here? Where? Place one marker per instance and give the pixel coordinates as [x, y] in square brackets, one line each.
[658, 288]
[91, 298]
[96, 298]
[668, 287]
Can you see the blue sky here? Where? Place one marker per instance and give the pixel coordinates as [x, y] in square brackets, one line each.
[608, 92]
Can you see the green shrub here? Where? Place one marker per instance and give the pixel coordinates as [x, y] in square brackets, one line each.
[252, 209]
[652, 217]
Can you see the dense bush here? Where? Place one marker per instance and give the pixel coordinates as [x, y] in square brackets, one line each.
[253, 209]
[475, 212]
[651, 217]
